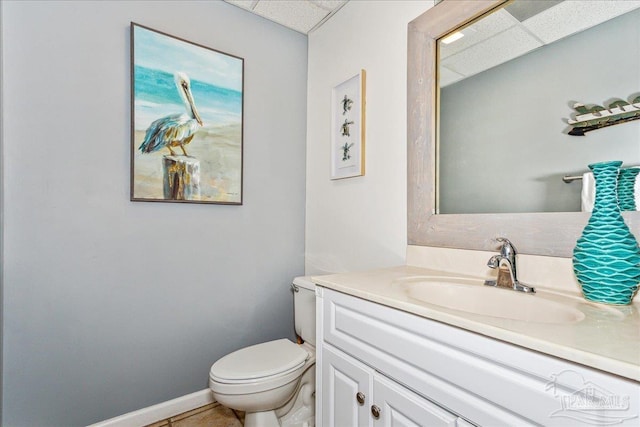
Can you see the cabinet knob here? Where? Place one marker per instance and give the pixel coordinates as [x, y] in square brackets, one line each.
[360, 398]
[375, 411]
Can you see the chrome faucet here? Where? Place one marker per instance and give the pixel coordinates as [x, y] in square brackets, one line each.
[505, 262]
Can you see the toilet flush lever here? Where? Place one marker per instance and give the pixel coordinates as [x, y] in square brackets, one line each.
[295, 288]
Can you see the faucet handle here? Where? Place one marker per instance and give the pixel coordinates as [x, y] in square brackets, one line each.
[506, 249]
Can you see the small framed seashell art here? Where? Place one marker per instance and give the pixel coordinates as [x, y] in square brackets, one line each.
[348, 127]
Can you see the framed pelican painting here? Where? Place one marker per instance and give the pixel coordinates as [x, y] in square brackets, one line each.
[186, 121]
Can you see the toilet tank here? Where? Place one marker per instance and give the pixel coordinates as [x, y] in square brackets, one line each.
[304, 308]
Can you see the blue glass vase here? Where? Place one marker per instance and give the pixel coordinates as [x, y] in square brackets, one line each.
[606, 259]
[626, 189]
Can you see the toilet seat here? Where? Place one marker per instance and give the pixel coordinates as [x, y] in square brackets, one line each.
[259, 361]
[258, 368]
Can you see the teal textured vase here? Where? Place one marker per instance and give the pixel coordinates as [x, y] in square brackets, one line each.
[606, 259]
[626, 189]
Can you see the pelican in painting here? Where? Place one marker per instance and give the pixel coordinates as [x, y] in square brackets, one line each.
[175, 130]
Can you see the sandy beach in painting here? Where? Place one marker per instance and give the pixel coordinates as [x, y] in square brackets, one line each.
[220, 153]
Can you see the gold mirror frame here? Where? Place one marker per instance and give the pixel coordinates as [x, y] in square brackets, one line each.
[551, 234]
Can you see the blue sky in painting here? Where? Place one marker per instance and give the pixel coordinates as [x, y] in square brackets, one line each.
[161, 52]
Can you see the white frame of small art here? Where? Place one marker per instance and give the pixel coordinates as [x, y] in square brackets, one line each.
[348, 127]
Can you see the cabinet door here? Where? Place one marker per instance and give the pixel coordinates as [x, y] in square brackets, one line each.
[399, 407]
[342, 379]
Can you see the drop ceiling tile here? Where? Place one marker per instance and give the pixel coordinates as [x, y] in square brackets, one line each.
[494, 51]
[330, 5]
[570, 17]
[481, 30]
[525, 9]
[300, 15]
[245, 4]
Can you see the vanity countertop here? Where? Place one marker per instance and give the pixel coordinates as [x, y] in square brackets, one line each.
[607, 338]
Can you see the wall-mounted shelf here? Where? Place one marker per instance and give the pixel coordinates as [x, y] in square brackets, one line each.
[597, 116]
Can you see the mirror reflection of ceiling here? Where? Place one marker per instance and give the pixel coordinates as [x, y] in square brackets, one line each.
[503, 137]
[521, 27]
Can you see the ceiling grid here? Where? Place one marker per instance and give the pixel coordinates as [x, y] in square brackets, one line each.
[516, 29]
[300, 15]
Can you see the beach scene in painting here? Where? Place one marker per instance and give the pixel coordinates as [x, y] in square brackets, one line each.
[204, 122]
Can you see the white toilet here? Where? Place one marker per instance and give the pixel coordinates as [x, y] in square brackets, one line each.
[274, 382]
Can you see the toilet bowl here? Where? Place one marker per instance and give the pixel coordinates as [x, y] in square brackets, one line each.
[273, 382]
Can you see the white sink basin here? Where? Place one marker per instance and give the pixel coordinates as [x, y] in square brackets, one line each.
[471, 296]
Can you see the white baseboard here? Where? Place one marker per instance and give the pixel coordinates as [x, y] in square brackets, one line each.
[151, 414]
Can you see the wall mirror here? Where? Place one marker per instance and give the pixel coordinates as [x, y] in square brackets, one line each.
[506, 83]
[542, 228]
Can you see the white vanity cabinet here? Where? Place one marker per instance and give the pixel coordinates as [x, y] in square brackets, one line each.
[347, 391]
[419, 372]
[356, 395]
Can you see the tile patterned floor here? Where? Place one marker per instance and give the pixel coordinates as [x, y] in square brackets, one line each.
[213, 415]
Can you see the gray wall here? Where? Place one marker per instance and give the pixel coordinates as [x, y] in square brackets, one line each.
[109, 305]
[517, 165]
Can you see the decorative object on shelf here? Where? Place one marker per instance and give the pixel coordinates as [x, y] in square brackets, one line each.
[596, 117]
[186, 121]
[606, 259]
[348, 127]
[626, 188]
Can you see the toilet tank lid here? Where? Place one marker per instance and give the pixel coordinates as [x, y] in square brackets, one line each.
[259, 361]
[304, 282]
